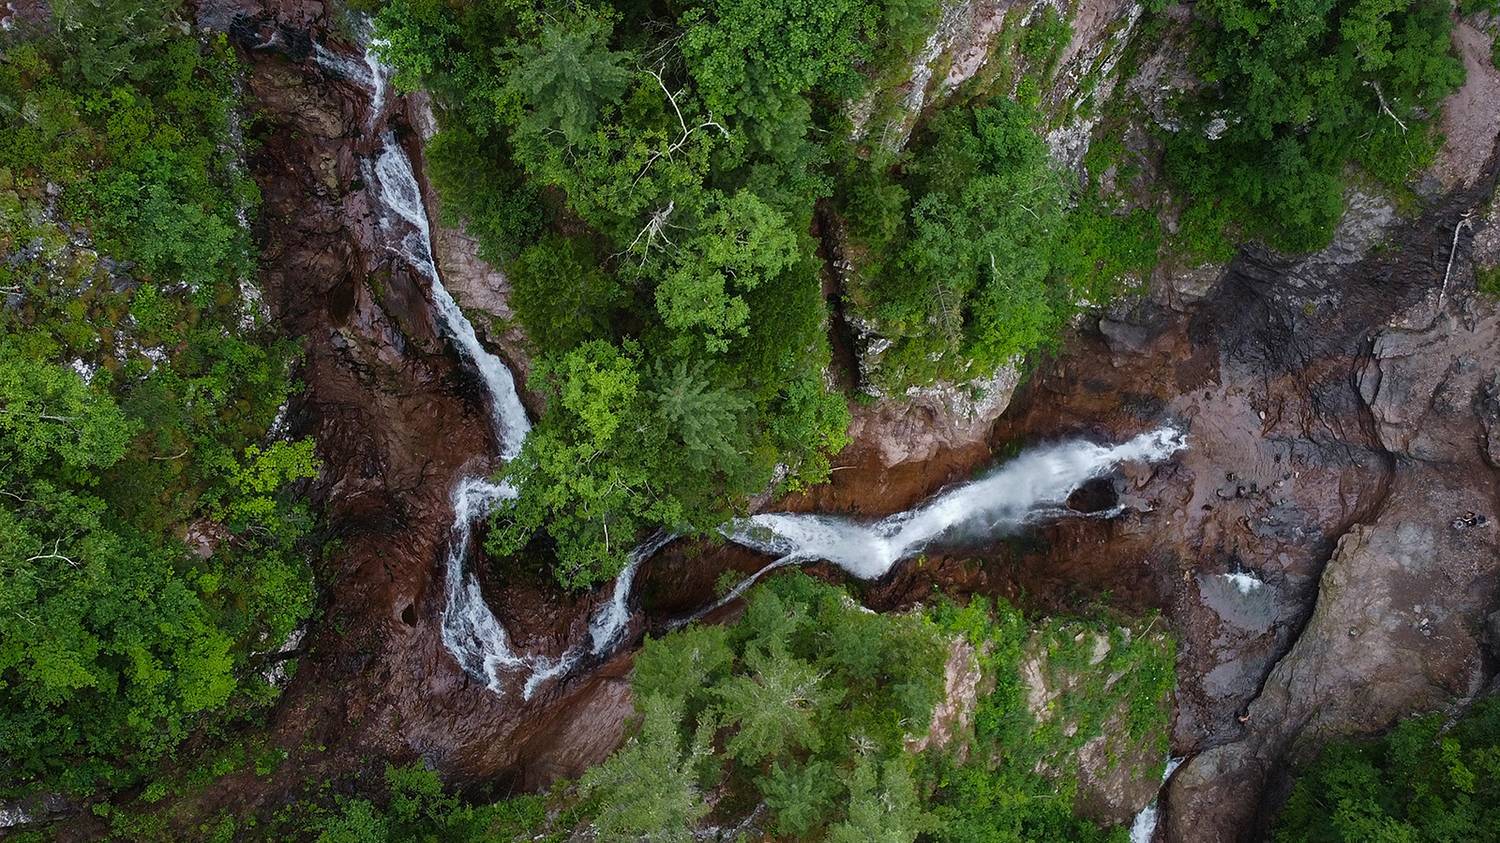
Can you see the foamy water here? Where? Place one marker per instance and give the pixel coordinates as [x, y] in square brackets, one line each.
[1033, 486]
[1144, 827]
[400, 193]
[1244, 581]
[368, 72]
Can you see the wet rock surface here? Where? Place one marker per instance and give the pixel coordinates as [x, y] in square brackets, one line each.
[1326, 549]
[1398, 624]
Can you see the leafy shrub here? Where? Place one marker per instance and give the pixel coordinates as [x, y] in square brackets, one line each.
[968, 256]
[1426, 780]
[135, 398]
[417, 809]
[808, 705]
[1301, 90]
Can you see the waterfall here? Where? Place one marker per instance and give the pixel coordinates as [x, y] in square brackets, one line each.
[609, 621]
[1144, 827]
[470, 631]
[370, 72]
[400, 193]
[1032, 486]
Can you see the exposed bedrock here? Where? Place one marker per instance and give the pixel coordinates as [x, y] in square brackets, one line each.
[1325, 549]
[398, 418]
[1399, 621]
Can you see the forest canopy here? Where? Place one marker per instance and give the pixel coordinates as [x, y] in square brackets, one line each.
[803, 715]
[149, 550]
[1298, 91]
[674, 299]
[1429, 779]
[649, 177]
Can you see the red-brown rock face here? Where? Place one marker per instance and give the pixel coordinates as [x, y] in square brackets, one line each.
[1325, 550]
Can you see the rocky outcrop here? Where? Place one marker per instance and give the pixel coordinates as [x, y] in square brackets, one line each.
[976, 40]
[916, 426]
[1117, 773]
[1087, 75]
[953, 715]
[1399, 624]
[478, 286]
[1325, 547]
[1470, 120]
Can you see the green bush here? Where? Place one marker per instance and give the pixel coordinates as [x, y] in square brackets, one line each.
[417, 810]
[810, 698]
[807, 705]
[968, 255]
[1427, 780]
[135, 399]
[1487, 279]
[1304, 89]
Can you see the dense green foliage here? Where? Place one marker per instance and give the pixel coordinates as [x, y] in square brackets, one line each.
[968, 255]
[810, 698]
[136, 389]
[1301, 90]
[808, 706]
[1020, 786]
[672, 154]
[417, 810]
[958, 248]
[1427, 780]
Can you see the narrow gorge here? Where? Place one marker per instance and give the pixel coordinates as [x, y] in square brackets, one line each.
[1264, 480]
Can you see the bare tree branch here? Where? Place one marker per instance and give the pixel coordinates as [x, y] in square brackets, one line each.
[686, 132]
[40, 556]
[1384, 106]
[655, 228]
[1463, 222]
[44, 416]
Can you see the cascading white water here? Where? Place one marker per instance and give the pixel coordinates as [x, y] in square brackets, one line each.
[610, 619]
[1144, 827]
[1033, 485]
[1244, 581]
[370, 73]
[470, 630]
[400, 193]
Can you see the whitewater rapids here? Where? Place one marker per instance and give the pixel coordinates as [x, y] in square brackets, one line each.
[1032, 487]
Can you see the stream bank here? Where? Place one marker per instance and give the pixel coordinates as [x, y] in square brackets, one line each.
[1333, 406]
